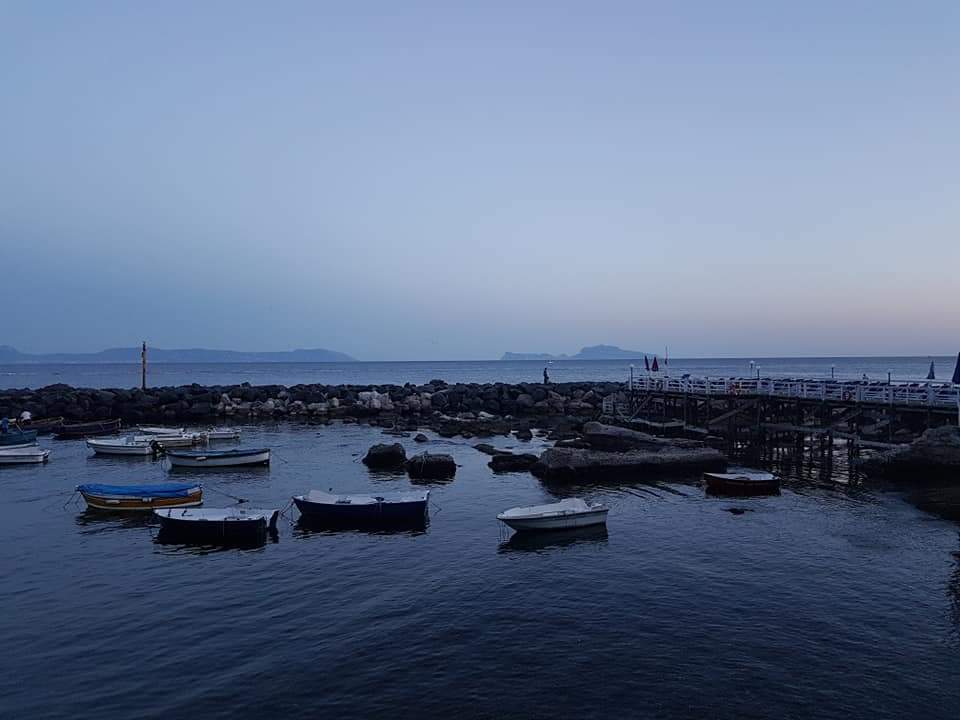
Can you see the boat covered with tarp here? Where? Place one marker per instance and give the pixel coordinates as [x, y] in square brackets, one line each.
[215, 525]
[141, 497]
[373, 510]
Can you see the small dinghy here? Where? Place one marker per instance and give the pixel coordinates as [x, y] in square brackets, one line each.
[224, 433]
[122, 446]
[159, 430]
[219, 458]
[742, 483]
[13, 437]
[78, 431]
[384, 510]
[563, 515]
[175, 441]
[23, 455]
[216, 525]
[141, 497]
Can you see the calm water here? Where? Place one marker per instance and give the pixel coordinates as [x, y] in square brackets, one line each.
[828, 601]
[162, 374]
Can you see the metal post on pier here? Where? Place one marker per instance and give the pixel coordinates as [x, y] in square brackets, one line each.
[143, 366]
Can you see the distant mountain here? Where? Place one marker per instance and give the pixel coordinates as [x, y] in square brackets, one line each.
[157, 355]
[592, 352]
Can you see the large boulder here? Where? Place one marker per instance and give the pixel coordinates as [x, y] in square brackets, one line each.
[935, 453]
[489, 449]
[508, 462]
[386, 457]
[570, 464]
[430, 466]
[619, 439]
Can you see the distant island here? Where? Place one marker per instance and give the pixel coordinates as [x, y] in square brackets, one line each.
[11, 355]
[592, 352]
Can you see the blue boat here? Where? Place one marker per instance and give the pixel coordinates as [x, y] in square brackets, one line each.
[14, 436]
[141, 497]
[408, 509]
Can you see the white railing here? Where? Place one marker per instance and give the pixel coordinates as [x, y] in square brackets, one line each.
[926, 394]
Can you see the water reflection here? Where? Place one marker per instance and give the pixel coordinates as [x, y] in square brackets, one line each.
[539, 542]
[308, 528]
[205, 546]
[94, 521]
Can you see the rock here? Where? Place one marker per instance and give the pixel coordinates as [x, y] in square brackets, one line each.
[508, 462]
[577, 464]
[490, 449]
[613, 438]
[524, 434]
[935, 453]
[430, 466]
[386, 457]
[572, 443]
[420, 438]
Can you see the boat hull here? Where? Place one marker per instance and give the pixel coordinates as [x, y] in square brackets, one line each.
[375, 515]
[560, 522]
[141, 504]
[741, 485]
[138, 449]
[79, 431]
[220, 532]
[44, 426]
[13, 457]
[213, 460]
[17, 437]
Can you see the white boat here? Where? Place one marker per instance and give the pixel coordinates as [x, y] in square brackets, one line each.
[219, 458]
[19, 456]
[216, 524]
[176, 441]
[20, 446]
[563, 515]
[159, 430]
[129, 445]
[223, 433]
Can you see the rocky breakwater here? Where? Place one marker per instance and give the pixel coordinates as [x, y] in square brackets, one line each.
[435, 403]
[934, 455]
[607, 452]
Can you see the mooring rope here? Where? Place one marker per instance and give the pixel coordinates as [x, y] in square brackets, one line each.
[239, 500]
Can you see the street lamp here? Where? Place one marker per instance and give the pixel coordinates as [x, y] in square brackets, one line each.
[631, 376]
[832, 369]
[889, 373]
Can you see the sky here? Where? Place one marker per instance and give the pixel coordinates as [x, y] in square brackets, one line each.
[454, 180]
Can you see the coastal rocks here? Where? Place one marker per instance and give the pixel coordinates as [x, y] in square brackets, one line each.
[524, 434]
[489, 449]
[508, 462]
[568, 464]
[618, 439]
[431, 466]
[420, 438]
[934, 454]
[386, 457]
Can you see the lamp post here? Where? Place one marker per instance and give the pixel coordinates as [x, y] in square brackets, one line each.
[889, 374]
[832, 371]
[752, 363]
[631, 377]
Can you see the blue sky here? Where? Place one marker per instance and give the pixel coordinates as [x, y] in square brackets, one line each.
[424, 181]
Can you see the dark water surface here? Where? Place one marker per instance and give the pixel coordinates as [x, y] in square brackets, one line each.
[828, 601]
[126, 375]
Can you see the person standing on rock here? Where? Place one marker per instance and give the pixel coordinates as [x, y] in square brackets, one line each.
[546, 378]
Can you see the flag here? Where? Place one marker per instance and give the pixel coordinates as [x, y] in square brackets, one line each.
[646, 363]
[656, 366]
[956, 372]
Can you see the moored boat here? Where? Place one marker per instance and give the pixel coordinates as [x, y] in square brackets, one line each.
[141, 497]
[77, 431]
[742, 483]
[216, 525]
[383, 510]
[23, 455]
[219, 458]
[563, 515]
[14, 436]
[222, 433]
[175, 441]
[43, 426]
[129, 445]
[159, 430]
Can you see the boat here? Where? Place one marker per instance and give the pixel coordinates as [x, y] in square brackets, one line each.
[14, 436]
[77, 431]
[159, 430]
[563, 515]
[141, 497]
[219, 458]
[174, 441]
[742, 483]
[225, 433]
[388, 509]
[23, 455]
[129, 445]
[217, 525]
[43, 426]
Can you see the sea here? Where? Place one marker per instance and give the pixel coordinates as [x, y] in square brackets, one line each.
[127, 375]
[838, 598]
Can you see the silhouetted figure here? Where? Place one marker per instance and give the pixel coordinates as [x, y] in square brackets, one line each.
[546, 378]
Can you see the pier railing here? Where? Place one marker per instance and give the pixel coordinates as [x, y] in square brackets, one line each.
[912, 393]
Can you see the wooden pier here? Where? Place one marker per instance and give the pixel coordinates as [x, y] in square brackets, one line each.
[758, 412]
